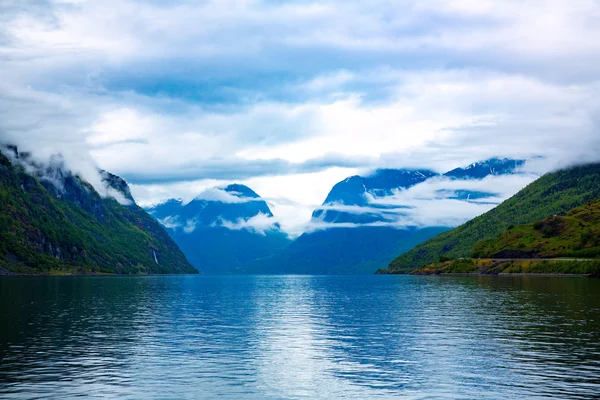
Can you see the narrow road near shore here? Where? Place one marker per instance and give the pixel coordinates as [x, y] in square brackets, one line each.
[535, 259]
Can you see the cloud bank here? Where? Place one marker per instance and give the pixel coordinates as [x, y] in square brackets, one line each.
[174, 96]
[438, 201]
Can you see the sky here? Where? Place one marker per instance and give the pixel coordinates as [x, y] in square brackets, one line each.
[290, 97]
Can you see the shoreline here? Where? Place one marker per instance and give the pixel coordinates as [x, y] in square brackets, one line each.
[89, 275]
[507, 275]
[3, 274]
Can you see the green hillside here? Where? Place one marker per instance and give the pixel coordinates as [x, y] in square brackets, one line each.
[552, 194]
[575, 234]
[46, 230]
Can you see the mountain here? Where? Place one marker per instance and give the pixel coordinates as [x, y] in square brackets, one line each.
[356, 231]
[223, 230]
[357, 237]
[481, 169]
[343, 251]
[54, 222]
[551, 194]
[353, 234]
[355, 191]
[567, 243]
[351, 191]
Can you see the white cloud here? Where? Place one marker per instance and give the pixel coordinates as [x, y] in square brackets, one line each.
[220, 195]
[184, 96]
[430, 203]
[152, 194]
[260, 224]
[170, 222]
[293, 198]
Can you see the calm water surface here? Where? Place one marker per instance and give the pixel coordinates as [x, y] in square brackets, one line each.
[293, 337]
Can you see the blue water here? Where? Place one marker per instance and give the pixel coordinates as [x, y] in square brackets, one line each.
[297, 337]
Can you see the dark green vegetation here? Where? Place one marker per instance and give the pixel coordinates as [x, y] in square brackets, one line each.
[575, 234]
[501, 266]
[552, 194]
[62, 226]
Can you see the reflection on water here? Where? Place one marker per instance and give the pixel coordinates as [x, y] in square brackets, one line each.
[296, 337]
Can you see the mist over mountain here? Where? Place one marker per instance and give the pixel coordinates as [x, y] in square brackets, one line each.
[222, 230]
[354, 193]
[387, 197]
[363, 223]
[53, 221]
[554, 194]
[364, 220]
[493, 166]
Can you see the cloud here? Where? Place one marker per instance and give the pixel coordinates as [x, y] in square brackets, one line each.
[260, 224]
[220, 195]
[180, 96]
[434, 202]
[171, 222]
[54, 167]
[385, 212]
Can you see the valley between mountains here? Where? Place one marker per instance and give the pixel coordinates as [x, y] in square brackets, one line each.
[391, 221]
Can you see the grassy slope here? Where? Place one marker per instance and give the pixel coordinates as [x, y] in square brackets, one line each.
[551, 194]
[40, 233]
[576, 234]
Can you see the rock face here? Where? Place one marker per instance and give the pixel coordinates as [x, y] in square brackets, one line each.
[224, 230]
[52, 221]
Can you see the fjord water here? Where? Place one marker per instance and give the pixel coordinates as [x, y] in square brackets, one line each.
[296, 337]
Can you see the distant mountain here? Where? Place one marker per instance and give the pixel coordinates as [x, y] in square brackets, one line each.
[483, 169]
[352, 190]
[493, 166]
[344, 251]
[552, 194]
[223, 230]
[355, 191]
[52, 221]
[352, 233]
[358, 236]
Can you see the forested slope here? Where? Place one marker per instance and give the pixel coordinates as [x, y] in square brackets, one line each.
[554, 193]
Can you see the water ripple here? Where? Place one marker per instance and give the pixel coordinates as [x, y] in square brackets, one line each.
[298, 337]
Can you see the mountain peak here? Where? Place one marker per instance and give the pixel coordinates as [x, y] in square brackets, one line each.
[210, 208]
[114, 182]
[481, 169]
[241, 191]
[351, 191]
